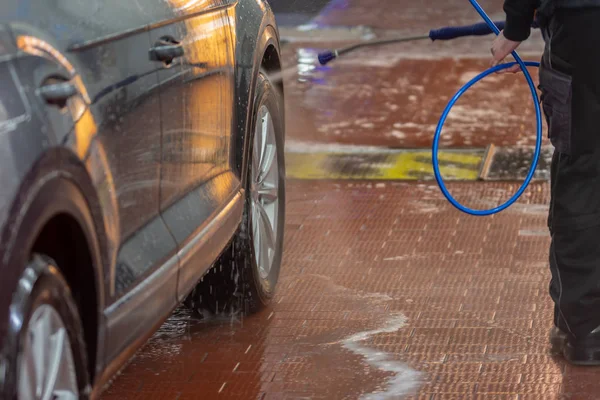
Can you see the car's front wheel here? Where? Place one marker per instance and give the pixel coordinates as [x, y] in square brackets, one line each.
[245, 276]
[45, 354]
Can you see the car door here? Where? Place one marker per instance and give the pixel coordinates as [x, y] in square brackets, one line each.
[197, 115]
[104, 47]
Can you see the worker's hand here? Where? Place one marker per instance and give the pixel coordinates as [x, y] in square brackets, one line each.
[501, 48]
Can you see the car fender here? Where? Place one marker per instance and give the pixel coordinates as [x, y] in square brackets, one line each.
[253, 39]
[57, 183]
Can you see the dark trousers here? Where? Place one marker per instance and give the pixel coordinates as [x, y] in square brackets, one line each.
[570, 86]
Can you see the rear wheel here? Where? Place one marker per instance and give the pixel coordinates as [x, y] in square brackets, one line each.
[46, 353]
[245, 276]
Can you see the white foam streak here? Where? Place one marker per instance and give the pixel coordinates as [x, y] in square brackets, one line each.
[405, 379]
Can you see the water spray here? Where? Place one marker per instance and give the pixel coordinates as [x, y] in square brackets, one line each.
[448, 33]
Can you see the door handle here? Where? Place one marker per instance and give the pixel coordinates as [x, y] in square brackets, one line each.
[166, 52]
[57, 94]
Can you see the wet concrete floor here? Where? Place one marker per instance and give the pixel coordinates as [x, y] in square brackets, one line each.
[386, 291]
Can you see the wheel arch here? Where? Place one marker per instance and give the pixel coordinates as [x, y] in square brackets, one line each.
[266, 58]
[271, 64]
[56, 209]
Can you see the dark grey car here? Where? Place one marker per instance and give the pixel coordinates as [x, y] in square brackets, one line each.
[141, 144]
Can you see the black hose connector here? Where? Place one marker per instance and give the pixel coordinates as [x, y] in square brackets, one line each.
[327, 56]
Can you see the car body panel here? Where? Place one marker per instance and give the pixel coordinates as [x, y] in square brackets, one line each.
[197, 116]
[15, 114]
[126, 105]
[134, 315]
[18, 153]
[201, 249]
[159, 150]
[122, 155]
[197, 106]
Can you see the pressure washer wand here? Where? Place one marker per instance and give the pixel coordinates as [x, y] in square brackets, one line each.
[328, 56]
[447, 33]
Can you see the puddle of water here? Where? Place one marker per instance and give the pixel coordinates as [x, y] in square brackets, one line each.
[530, 209]
[312, 33]
[529, 232]
[514, 163]
[403, 379]
[308, 66]
[296, 146]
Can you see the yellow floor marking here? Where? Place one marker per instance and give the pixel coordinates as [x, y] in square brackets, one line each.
[401, 165]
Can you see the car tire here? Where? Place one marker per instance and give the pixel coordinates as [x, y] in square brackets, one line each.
[239, 281]
[48, 320]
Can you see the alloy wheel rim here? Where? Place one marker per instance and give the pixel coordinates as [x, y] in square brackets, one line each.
[264, 190]
[46, 363]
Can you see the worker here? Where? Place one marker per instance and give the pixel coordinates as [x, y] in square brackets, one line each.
[570, 96]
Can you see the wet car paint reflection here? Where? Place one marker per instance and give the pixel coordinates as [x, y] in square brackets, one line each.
[196, 145]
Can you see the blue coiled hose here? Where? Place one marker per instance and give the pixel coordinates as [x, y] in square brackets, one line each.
[538, 116]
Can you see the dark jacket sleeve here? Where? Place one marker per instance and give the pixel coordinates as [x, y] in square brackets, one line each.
[519, 17]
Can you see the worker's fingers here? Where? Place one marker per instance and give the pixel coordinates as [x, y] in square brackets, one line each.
[511, 70]
[502, 48]
[514, 69]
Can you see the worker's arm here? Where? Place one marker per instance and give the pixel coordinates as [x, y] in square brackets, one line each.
[519, 17]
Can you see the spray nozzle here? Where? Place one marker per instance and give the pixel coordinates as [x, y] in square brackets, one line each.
[327, 56]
